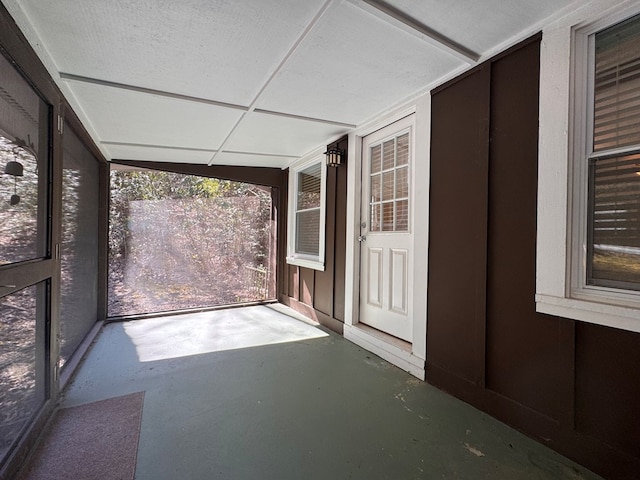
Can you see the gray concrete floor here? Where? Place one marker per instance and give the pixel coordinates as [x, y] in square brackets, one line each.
[251, 393]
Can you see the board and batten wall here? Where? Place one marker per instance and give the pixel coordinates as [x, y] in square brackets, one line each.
[320, 294]
[571, 385]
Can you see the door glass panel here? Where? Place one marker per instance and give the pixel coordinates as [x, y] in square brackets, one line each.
[22, 361]
[389, 198]
[23, 158]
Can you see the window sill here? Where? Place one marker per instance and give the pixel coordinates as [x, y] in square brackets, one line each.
[303, 262]
[624, 318]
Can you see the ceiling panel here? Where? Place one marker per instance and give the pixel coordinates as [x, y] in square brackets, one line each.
[127, 152]
[479, 26]
[252, 160]
[131, 117]
[354, 65]
[272, 134]
[216, 49]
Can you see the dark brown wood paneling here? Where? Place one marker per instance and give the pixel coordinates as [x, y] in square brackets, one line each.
[323, 281]
[523, 347]
[340, 250]
[608, 385]
[458, 227]
[307, 277]
[323, 291]
[266, 176]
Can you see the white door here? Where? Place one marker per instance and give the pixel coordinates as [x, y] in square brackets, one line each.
[386, 267]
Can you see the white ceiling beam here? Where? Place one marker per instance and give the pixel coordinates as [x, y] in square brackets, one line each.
[407, 24]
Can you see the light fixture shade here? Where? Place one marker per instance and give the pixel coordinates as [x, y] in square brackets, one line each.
[14, 168]
[334, 157]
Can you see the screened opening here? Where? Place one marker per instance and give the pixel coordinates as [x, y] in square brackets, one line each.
[182, 241]
[22, 361]
[79, 248]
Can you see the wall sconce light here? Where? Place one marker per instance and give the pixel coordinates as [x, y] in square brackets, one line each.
[334, 156]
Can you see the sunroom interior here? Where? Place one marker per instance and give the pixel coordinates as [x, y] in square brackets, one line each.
[407, 171]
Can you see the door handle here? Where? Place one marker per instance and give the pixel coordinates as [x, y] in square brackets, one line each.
[362, 238]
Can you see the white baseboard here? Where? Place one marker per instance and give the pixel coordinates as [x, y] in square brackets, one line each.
[393, 350]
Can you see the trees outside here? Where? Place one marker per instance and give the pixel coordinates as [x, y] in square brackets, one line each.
[182, 241]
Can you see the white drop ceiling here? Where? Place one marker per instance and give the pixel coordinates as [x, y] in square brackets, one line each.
[256, 82]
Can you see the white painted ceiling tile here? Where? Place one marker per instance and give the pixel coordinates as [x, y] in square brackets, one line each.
[269, 134]
[130, 117]
[479, 25]
[216, 49]
[353, 66]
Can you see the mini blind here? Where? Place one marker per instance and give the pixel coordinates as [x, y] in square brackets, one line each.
[617, 86]
[308, 210]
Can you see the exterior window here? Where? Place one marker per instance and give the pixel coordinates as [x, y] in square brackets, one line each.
[588, 235]
[613, 248]
[307, 214]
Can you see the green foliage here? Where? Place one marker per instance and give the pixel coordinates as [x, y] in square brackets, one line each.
[184, 236]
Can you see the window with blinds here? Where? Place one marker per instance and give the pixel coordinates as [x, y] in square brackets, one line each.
[308, 210]
[389, 197]
[614, 164]
[306, 225]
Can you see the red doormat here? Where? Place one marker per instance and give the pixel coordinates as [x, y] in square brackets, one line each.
[97, 440]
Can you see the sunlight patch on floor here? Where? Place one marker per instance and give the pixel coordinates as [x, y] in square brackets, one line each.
[195, 334]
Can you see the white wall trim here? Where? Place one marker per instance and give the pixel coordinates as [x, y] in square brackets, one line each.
[420, 235]
[390, 348]
[555, 174]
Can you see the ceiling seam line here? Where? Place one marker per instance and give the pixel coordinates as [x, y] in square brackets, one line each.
[302, 117]
[150, 91]
[305, 33]
[151, 145]
[392, 16]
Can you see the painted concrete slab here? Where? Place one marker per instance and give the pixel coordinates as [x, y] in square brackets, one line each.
[253, 393]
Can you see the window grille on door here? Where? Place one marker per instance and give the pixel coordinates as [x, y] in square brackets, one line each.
[389, 198]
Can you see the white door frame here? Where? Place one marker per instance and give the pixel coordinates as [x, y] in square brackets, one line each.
[409, 356]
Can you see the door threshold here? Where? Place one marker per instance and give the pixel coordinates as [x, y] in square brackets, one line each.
[392, 349]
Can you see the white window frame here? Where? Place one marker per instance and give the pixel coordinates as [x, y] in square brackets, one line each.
[565, 79]
[301, 259]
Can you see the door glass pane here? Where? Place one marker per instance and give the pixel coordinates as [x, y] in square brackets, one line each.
[388, 155]
[402, 182]
[79, 251]
[389, 199]
[387, 186]
[22, 362]
[387, 217]
[23, 160]
[402, 155]
[376, 159]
